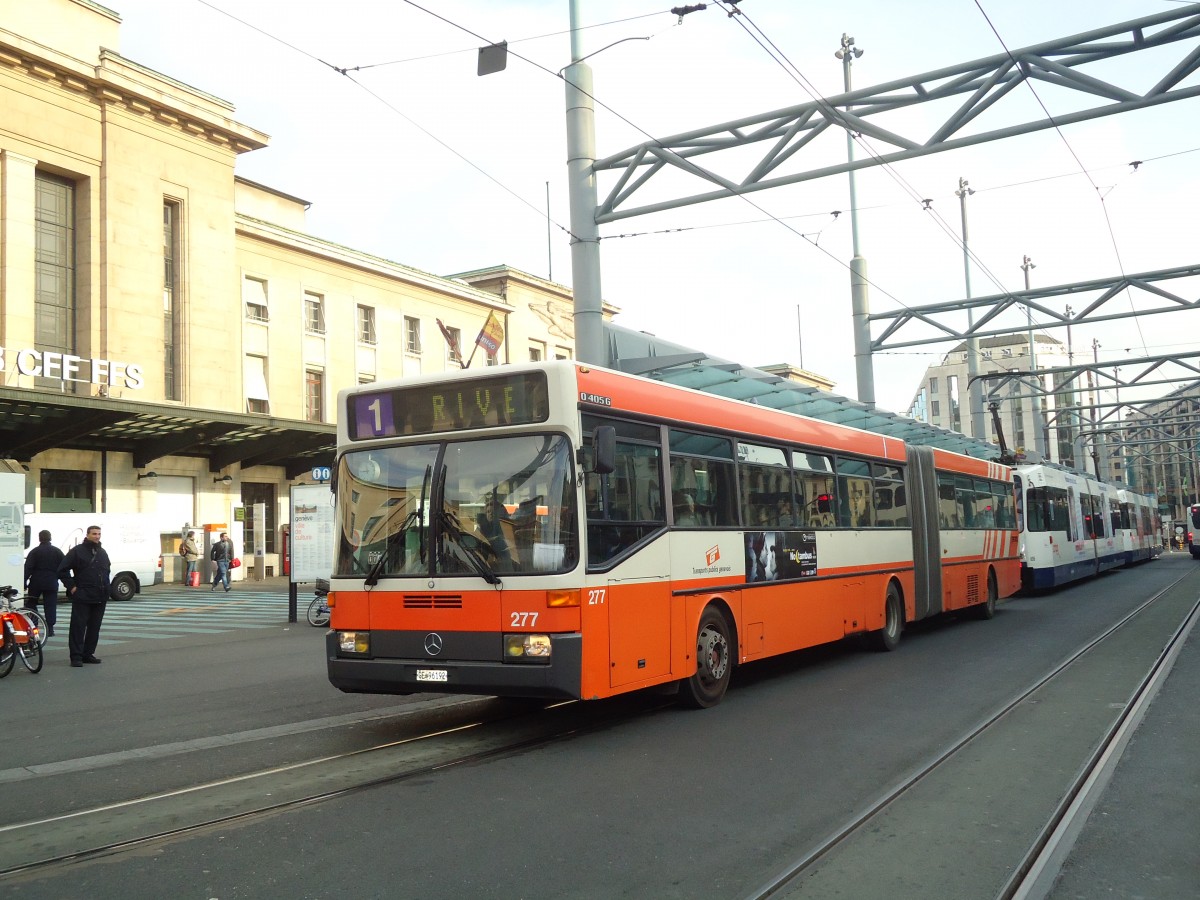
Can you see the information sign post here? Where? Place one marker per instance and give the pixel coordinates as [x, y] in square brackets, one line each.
[311, 537]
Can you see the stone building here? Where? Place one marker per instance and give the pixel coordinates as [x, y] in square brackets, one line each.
[172, 339]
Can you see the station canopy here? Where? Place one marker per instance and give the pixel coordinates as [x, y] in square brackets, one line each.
[644, 354]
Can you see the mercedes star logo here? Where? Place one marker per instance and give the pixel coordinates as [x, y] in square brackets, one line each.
[433, 643]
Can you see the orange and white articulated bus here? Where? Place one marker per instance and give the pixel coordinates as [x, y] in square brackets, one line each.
[559, 530]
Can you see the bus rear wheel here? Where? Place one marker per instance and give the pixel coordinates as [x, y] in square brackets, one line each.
[714, 664]
[987, 609]
[888, 637]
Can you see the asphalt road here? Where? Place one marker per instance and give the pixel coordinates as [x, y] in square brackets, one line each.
[642, 799]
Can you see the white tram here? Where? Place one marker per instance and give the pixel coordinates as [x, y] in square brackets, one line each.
[1074, 527]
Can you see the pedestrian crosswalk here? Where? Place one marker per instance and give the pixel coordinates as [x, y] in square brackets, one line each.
[171, 611]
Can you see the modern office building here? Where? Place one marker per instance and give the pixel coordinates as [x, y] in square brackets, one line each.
[942, 398]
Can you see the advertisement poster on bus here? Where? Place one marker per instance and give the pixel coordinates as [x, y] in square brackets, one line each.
[312, 532]
[780, 555]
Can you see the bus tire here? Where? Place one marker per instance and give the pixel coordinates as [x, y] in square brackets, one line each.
[987, 609]
[888, 637]
[714, 663]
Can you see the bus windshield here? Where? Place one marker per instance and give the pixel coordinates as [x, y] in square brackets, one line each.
[485, 508]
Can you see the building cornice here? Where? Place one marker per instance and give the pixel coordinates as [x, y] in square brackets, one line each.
[140, 90]
[300, 242]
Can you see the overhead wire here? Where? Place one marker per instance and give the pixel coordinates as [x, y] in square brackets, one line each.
[794, 72]
[1058, 129]
[542, 213]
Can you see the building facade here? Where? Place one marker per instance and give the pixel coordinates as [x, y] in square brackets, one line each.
[942, 399]
[171, 338]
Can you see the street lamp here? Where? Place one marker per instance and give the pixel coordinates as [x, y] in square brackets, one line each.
[147, 475]
[860, 307]
[224, 479]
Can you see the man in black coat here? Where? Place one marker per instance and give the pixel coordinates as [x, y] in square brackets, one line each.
[84, 572]
[41, 578]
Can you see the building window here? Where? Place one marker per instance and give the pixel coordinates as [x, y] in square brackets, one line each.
[492, 360]
[314, 394]
[366, 324]
[933, 386]
[65, 490]
[955, 412]
[254, 294]
[562, 353]
[54, 262]
[935, 408]
[172, 324]
[412, 334]
[366, 379]
[454, 346]
[314, 313]
[255, 372]
[537, 351]
[252, 493]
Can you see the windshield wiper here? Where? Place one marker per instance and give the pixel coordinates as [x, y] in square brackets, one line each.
[417, 515]
[452, 528]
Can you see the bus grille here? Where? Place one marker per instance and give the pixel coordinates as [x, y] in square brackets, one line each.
[972, 588]
[433, 601]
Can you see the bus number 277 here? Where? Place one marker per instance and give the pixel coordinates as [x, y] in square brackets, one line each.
[596, 597]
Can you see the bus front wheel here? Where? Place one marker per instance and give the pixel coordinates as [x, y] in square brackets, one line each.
[714, 664]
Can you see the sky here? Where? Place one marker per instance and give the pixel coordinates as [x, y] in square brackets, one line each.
[411, 156]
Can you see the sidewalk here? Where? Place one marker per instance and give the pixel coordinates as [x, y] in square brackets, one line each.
[275, 583]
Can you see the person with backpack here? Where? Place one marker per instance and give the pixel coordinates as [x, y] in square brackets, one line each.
[191, 555]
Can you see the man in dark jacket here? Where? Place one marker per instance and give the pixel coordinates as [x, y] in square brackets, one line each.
[41, 578]
[84, 572]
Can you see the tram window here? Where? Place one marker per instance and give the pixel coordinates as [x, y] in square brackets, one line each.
[1019, 495]
[1049, 509]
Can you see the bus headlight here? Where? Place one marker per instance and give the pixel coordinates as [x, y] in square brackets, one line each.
[358, 642]
[533, 648]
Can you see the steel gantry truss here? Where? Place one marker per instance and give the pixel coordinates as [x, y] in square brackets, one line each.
[980, 84]
[1142, 291]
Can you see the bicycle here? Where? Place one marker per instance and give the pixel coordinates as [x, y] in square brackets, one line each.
[318, 608]
[17, 637]
[36, 619]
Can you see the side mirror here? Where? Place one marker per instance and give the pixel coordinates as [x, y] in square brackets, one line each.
[604, 449]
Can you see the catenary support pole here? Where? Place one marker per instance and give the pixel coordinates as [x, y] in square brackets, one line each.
[581, 184]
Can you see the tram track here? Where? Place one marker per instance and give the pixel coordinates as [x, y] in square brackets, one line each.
[1033, 874]
[37, 847]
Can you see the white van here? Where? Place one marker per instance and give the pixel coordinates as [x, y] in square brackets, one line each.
[131, 540]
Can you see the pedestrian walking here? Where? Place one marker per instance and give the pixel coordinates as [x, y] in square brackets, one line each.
[191, 555]
[41, 579]
[222, 557]
[84, 572]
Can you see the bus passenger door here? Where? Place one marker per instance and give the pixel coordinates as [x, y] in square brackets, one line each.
[921, 481]
[639, 629]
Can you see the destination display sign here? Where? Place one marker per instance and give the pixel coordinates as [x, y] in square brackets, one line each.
[519, 399]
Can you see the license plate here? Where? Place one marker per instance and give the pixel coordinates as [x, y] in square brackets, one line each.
[431, 674]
